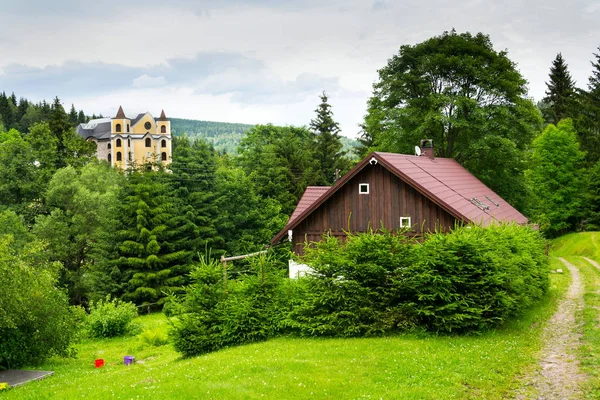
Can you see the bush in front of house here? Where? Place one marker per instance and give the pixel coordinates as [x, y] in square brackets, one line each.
[36, 321]
[110, 318]
[352, 290]
[375, 283]
[475, 278]
[216, 313]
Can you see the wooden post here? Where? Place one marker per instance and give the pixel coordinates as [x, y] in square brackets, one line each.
[224, 261]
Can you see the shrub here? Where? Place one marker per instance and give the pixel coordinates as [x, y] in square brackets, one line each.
[469, 279]
[475, 278]
[36, 320]
[154, 337]
[110, 318]
[251, 308]
[351, 292]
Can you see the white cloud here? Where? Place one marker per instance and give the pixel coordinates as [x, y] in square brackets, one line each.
[146, 81]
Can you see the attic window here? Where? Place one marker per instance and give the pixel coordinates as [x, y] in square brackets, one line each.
[480, 204]
[363, 188]
[405, 222]
[493, 202]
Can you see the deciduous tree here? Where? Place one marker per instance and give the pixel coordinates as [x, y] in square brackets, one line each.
[466, 96]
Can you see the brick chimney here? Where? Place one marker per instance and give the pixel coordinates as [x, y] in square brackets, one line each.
[427, 149]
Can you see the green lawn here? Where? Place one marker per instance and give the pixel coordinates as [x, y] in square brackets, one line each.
[401, 367]
[489, 366]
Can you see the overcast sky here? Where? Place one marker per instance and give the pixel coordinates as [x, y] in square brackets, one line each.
[262, 61]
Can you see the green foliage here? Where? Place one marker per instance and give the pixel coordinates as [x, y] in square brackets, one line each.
[476, 278]
[154, 337]
[83, 206]
[152, 243]
[469, 98]
[280, 162]
[110, 318]
[352, 290]
[36, 321]
[246, 221]
[560, 95]
[218, 313]
[328, 146]
[557, 179]
[224, 136]
[468, 280]
[588, 117]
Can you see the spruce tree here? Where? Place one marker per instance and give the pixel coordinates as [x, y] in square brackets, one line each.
[588, 123]
[328, 147]
[194, 172]
[560, 95]
[73, 116]
[153, 257]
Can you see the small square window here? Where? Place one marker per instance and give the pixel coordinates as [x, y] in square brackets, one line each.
[363, 188]
[405, 222]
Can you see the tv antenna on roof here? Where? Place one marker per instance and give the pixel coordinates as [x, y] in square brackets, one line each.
[417, 150]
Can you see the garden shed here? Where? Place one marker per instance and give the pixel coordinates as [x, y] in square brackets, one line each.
[387, 190]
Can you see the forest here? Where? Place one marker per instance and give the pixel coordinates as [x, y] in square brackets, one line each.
[94, 231]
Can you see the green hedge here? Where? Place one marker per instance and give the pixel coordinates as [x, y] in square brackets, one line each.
[372, 284]
[375, 283]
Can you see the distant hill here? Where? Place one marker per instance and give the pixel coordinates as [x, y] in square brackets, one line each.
[224, 136]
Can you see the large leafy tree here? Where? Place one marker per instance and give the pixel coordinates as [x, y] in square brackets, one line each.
[466, 96]
[83, 206]
[557, 179]
[328, 148]
[560, 93]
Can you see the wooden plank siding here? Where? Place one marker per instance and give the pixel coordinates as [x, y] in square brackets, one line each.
[389, 199]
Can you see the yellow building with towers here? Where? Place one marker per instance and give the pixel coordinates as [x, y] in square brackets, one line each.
[126, 142]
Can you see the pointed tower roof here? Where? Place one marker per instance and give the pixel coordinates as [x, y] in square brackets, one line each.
[120, 113]
[163, 117]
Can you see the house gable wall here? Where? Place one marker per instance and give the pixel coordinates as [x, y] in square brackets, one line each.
[389, 199]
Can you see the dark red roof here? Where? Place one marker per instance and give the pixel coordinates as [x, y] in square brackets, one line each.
[443, 180]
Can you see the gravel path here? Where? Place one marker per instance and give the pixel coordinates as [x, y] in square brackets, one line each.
[559, 377]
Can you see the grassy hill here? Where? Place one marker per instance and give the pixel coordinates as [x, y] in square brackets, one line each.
[224, 136]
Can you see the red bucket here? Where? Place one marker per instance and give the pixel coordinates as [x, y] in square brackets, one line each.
[99, 363]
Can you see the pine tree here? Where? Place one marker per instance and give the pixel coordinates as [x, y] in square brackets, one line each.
[81, 118]
[560, 95]
[194, 172]
[328, 148]
[73, 116]
[153, 258]
[588, 123]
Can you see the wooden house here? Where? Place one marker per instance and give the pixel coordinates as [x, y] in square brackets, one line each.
[392, 191]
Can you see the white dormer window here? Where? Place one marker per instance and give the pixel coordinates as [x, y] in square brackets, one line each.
[363, 188]
[405, 222]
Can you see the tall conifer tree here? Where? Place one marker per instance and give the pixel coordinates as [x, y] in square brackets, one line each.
[588, 123]
[560, 95]
[328, 147]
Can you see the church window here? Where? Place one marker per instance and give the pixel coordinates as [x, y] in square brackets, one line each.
[118, 128]
[163, 156]
[108, 147]
[118, 142]
[163, 129]
[119, 157]
[163, 143]
[109, 158]
[148, 142]
[127, 128]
